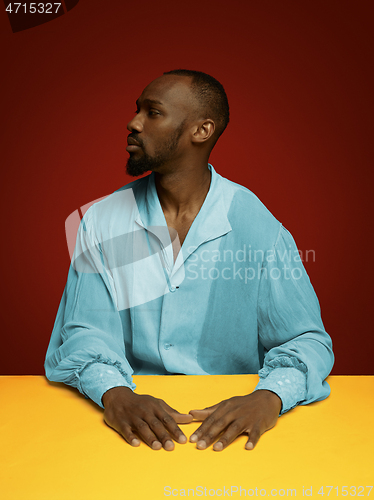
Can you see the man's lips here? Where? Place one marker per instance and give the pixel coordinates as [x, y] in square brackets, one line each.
[133, 145]
[132, 141]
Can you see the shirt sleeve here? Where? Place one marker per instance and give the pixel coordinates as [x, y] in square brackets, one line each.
[288, 383]
[291, 329]
[88, 327]
[97, 378]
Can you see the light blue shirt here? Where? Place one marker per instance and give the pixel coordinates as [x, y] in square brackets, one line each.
[236, 300]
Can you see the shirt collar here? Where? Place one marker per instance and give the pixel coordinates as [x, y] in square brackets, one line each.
[211, 222]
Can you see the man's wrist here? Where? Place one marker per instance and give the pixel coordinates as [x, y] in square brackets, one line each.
[113, 393]
[273, 398]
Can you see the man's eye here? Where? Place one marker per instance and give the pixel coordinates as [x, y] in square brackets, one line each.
[152, 112]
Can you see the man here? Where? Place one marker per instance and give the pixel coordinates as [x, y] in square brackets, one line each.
[183, 271]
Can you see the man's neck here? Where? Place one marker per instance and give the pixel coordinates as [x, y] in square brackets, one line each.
[182, 193]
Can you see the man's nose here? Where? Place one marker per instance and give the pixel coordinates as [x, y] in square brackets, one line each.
[135, 124]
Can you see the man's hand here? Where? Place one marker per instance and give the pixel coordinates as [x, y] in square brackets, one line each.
[252, 414]
[137, 416]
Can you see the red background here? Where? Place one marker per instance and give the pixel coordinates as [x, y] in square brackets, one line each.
[299, 76]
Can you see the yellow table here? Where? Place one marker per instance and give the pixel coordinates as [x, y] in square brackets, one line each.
[55, 445]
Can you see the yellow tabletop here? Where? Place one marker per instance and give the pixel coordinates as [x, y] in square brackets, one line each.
[55, 445]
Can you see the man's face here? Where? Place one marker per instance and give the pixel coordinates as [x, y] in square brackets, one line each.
[163, 113]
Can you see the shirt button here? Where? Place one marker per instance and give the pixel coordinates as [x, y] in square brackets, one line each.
[172, 289]
[167, 346]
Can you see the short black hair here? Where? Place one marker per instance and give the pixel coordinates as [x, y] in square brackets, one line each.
[210, 95]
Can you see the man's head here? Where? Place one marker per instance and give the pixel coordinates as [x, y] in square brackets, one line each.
[179, 116]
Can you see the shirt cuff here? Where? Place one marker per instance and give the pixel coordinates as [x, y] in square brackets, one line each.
[288, 383]
[98, 378]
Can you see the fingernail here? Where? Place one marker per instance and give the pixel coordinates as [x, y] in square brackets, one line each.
[135, 442]
[169, 445]
[156, 445]
[249, 446]
[201, 444]
[218, 446]
[193, 438]
[182, 439]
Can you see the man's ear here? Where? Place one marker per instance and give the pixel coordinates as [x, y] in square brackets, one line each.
[203, 131]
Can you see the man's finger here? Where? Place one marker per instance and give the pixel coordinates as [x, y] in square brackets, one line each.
[130, 437]
[143, 430]
[253, 438]
[200, 415]
[203, 430]
[180, 418]
[167, 421]
[161, 433]
[125, 431]
[233, 431]
[211, 433]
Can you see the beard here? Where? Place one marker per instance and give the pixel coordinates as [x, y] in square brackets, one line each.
[146, 163]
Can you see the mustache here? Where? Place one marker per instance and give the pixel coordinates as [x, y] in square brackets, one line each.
[136, 138]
